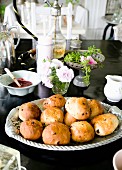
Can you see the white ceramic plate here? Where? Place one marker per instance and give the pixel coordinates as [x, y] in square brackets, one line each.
[12, 122]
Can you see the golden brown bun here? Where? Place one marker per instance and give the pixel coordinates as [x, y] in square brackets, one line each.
[78, 108]
[29, 111]
[82, 131]
[105, 124]
[56, 100]
[69, 119]
[31, 129]
[52, 114]
[96, 108]
[56, 134]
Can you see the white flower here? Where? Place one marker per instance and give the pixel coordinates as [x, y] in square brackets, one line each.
[82, 58]
[65, 74]
[46, 81]
[56, 63]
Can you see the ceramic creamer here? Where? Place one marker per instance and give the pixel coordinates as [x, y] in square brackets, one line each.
[113, 88]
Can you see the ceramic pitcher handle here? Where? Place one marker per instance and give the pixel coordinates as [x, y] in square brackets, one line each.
[18, 35]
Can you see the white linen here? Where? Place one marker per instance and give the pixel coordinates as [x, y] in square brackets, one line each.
[9, 15]
[81, 16]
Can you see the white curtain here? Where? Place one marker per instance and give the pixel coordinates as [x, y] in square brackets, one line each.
[97, 9]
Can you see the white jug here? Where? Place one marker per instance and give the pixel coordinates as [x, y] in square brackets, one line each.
[113, 88]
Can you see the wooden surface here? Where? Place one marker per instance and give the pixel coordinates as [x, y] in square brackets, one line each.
[90, 159]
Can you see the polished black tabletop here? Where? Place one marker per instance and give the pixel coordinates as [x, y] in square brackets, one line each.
[90, 159]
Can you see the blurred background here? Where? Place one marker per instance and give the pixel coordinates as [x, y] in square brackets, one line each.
[90, 25]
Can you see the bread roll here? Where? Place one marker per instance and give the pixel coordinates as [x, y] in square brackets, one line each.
[31, 129]
[105, 124]
[56, 134]
[69, 119]
[82, 131]
[56, 100]
[96, 108]
[29, 111]
[78, 108]
[52, 114]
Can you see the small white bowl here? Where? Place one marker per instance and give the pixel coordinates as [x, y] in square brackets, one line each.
[33, 77]
[117, 160]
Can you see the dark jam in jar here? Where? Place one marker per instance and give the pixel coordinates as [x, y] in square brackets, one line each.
[22, 82]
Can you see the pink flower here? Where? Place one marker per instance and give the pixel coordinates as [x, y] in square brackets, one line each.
[91, 60]
[88, 58]
[65, 74]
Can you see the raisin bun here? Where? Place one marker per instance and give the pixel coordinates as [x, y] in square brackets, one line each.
[31, 129]
[52, 114]
[69, 119]
[29, 111]
[56, 134]
[56, 100]
[96, 108]
[105, 124]
[82, 131]
[78, 108]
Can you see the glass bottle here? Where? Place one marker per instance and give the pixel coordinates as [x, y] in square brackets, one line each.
[7, 48]
[59, 41]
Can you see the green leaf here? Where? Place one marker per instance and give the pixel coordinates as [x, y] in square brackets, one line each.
[75, 57]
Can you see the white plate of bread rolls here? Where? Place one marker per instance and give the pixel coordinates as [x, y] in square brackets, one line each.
[64, 124]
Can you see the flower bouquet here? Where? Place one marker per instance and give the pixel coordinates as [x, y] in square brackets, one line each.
[84, 61]
[56, 76]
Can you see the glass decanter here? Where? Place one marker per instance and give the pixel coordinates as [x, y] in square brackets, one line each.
[7, 47]
[59, 41]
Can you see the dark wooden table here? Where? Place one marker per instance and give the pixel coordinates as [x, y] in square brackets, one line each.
[90, 159]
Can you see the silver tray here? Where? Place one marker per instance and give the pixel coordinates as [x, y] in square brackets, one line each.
[12, 123]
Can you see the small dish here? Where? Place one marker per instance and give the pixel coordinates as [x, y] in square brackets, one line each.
[117, 160]
[75, 43]
[33, 77]
[9, 158]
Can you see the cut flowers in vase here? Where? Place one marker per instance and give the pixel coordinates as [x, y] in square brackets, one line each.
[85, 60]
[55, 73]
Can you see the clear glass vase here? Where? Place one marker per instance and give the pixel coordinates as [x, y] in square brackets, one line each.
[60, 88]
[79, 80]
